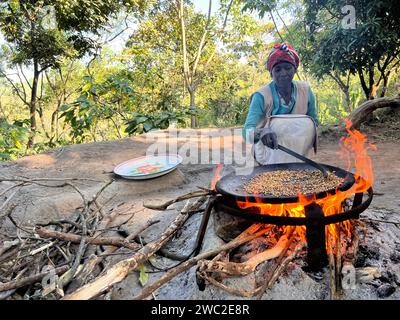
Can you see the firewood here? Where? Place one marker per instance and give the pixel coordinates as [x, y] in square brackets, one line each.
[149, 289]
[338, 261]
[333, 262]
[260, 290]
[224, 255]
[234, 291]
[284, 263]
[10, 188]
[75, 238]
[277, 263]
[94, 260]
[187, 196]
[119, 271]
[84, 217]
[5, 294]
[8, 245]
[351, 251]
[5, 203]
[244, 268]
[14, 284]
[332, 276]
[348, 270]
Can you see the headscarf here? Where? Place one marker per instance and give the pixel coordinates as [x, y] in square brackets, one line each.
[282, 52]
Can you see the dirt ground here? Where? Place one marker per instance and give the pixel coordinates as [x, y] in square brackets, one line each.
[95, 162]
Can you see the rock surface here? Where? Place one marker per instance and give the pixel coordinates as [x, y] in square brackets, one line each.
[95, 162]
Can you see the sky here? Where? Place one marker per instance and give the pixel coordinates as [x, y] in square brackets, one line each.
[202, 5]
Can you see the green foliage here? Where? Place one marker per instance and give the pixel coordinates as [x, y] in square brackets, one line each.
[22, 25]
[370, 50]
[88, 15]
[46, 30]
[84, 113]
[115, 98]
[261, 6]
[12, 138]
[140, 123]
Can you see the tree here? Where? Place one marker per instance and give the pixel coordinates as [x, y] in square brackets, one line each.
[193, 77]
[41, 33]
[177, 48]
[60, 87]
[336, 41]
[371, 49]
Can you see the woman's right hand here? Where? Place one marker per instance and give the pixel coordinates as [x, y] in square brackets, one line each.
[269, 138]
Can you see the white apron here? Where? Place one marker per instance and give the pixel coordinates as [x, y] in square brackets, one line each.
[294, 131]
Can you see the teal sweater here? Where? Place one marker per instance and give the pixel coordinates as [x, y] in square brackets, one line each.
[257, 112]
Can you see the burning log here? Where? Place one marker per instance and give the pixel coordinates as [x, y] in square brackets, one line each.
[335, 261]
[348, 270]
[224, 255]
[260, 290]
[332, 276]
[338, 265]
[284, 263]
[244, 268]
[268, 283]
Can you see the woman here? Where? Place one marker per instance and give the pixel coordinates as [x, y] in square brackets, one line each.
[282, 111]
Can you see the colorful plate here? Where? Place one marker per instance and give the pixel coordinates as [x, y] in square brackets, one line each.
[147, 167]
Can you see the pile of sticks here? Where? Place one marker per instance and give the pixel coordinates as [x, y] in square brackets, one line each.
[65, 259]
[48, 261]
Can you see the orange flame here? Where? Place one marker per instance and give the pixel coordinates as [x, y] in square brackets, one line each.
[354, 149]
[216, 176]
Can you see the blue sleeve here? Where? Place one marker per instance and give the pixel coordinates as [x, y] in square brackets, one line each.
[255, 114]
[312, 109]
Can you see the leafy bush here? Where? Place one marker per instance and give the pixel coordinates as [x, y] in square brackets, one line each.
[141, 122]
[12, 139]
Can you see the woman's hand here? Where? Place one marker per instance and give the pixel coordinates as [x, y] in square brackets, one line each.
[269, 138]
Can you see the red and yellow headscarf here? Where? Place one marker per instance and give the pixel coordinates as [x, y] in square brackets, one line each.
[282, 52]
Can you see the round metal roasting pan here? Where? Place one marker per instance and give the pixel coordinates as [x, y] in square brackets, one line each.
[231, 185]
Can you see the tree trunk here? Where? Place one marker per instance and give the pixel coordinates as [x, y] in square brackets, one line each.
[365, 110]
[193, 122]
[373, 89]
[53, 124]
[384, 89]
[386, 81]
[32, 104]
[347, 98]
[344, 87]
[369, 88]
[42, 121]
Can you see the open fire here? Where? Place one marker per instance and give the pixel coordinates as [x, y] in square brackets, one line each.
[354, 150]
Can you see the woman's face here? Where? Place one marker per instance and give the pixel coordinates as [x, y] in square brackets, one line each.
[283, 73]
